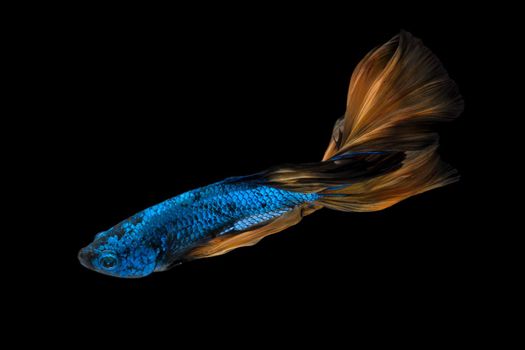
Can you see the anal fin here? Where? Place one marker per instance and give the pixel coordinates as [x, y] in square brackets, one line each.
[227, 242]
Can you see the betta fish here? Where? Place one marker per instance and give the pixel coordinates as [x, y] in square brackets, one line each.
[383, 150]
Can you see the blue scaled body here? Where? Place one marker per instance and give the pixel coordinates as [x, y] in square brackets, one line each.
[158, 237]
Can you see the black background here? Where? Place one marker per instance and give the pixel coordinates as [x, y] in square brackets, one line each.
[151, 105]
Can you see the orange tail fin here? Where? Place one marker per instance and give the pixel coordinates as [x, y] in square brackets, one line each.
[397, 92]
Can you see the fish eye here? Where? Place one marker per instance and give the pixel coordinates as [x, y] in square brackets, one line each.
[108, 261]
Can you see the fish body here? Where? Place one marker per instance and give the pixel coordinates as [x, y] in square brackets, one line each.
[382, 151]
[170, 228]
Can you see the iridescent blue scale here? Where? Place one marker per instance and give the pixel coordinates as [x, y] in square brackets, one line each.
[217, 209]
[198, 215]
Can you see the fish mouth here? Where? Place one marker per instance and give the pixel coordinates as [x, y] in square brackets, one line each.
[84, 256]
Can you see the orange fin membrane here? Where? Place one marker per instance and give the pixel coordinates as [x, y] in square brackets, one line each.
[224, 244]
[384, 148]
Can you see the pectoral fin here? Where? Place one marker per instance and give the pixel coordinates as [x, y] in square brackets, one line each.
[223, 244]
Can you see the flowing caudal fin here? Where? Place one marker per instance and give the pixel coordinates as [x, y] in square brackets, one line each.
[396, 94]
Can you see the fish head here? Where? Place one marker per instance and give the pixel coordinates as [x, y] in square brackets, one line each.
[122, 251]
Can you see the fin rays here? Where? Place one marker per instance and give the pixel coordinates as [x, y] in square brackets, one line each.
[223, 244]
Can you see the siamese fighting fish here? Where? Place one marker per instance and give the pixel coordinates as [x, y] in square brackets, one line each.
[382, 151]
